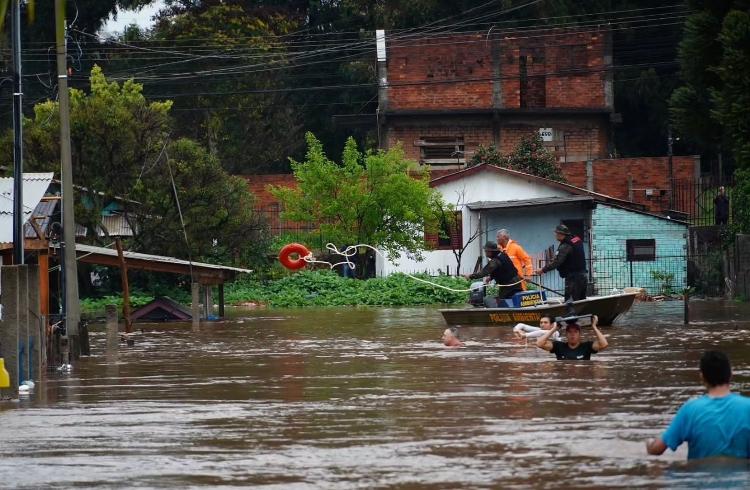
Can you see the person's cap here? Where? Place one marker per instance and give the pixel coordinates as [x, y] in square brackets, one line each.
[491, 246]
[562, 229]
[573, 325]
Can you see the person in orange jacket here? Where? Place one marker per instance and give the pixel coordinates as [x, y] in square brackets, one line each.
[521, 260]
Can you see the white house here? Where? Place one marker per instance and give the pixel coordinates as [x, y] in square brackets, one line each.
[490, 198]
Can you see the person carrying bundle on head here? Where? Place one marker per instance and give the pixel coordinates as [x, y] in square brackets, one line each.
[501, 270]
[573, 349]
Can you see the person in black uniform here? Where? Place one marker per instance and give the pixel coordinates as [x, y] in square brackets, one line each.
[570, 262]
[501, 269]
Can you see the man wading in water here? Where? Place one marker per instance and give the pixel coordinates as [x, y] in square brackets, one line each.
[450, 338]
[715, 424]
[573, 349]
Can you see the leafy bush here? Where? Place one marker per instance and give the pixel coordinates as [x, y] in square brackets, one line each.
[94, 306]
[325, 288]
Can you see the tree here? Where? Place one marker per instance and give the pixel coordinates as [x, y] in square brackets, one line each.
[115, 133]
[231, 99]
[217, 209]
[450, 221]
[731, 99]
[530, 156]
[121, 148]
[370, 198]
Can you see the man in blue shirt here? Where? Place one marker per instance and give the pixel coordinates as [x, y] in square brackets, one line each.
[715, 424]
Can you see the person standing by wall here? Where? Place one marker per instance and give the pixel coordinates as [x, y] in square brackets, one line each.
[721, 207]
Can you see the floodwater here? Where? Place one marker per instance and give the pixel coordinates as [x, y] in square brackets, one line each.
[353, 398]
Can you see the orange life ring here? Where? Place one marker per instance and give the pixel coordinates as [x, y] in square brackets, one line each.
[285, 256]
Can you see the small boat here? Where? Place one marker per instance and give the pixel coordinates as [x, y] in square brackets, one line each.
[607, 308]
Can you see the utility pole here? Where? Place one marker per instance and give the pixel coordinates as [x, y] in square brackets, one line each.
[670, 141]
[18, 235]
[72, 308]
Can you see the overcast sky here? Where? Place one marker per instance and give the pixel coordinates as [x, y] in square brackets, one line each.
[126, 17]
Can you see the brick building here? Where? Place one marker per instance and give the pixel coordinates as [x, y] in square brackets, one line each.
[443, 96]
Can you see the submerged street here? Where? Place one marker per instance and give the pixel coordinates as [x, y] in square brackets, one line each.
[342, 398]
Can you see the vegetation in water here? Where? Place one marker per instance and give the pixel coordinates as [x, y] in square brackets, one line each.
[325, 288]
[96, 306]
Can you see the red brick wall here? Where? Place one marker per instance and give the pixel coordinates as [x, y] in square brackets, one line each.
[584, 142]
[258, 186]
[407, 135]
[416, 68]
[456, 71]
[611, 177]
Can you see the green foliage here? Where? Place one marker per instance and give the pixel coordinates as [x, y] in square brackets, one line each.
[114, 130]
[121, 149]
[325, 288]
[732, 98]
[530, 156]
[247, 121]
[714, 54]
[705, 274]
[96, 306]
[741, 201]
[217, 209]
[666, 280]
[369, 198]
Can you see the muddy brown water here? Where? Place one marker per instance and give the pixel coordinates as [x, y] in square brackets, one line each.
[368, 397]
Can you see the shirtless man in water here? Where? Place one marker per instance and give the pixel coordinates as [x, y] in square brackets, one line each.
[450, 338]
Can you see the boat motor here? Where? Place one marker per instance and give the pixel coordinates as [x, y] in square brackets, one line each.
[478, 292]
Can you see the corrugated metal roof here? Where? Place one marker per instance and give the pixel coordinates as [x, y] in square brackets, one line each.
[116, 225]
[90, 249]
[34, 187]
[44, 210]
[527, 203]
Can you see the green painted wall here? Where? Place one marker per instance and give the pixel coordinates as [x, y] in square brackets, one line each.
[612, 227]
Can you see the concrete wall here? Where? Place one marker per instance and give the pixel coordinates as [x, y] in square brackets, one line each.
[612, 227]
[21, 328]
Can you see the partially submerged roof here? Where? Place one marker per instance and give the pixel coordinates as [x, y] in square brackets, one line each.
[201, 271]
[34, 187]
[527, 203]
[162, 309]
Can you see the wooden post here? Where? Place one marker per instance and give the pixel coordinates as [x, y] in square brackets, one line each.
[221, 300]
[44, 282]
[195, 305]
[125, 287]
[207, 301]
[686, 312]
[112, 330]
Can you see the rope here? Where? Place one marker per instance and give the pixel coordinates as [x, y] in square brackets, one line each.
[351, 250]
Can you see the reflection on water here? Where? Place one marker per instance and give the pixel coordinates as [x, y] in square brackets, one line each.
[342, 398]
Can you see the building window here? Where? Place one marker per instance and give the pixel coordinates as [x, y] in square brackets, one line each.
[441, 151]
[532, 87]
[450, 236]
[643, 250]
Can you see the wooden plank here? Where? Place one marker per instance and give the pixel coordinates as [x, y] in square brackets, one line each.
[44, 283]
[125, 287]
